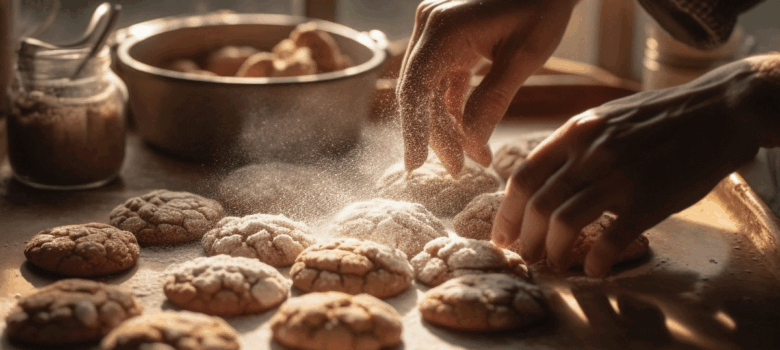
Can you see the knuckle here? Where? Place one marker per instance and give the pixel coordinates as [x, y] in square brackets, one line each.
[523, 178]
[543, 204]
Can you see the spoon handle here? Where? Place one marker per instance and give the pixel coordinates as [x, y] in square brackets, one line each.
[113, 19]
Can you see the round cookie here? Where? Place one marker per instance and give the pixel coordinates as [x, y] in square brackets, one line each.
[85, 250]
[297, 191]
[637, 249]
[485, 302]
[446, 258]
[401, 225]
[324, 50]
[334, 320]
[173, 330]
[70, 311]
[476, 221]
[166, 217]
[227, 60]
[511, 154]
[225, 286]
[353, 267]
[432, 186]
[272, 239]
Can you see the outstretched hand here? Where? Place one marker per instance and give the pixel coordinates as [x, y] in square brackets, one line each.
[643, 158]
[449, 38]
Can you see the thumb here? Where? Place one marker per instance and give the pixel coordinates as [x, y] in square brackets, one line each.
[488, 103]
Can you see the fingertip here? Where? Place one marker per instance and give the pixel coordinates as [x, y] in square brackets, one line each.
[482, 155]
[414, 157]
[599, 260]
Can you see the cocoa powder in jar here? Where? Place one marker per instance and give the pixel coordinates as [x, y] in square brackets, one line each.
[59, 144]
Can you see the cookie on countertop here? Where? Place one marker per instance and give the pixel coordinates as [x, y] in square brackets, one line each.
[335, 320]
[167, 217]
[446, 258]
[272, 239]
[352, 266]
[70, 311]
[84, 250]
[512, 153]
[476, 221]
[432, 186]
[225, 286]
[173, 330]
[485, 302]
[401, 225]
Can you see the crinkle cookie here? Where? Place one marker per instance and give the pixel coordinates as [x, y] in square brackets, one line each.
[511, 154]
[354, 267]
[486, 302]
[225, 286]
[446, 258]
[476, 219]
[432, 186]
[272, 239]
[636, 250]
[85, 250]
[166, 217]
[334, 320]
[173, 330]
[70, 311]
[401, 225]
[297, 191]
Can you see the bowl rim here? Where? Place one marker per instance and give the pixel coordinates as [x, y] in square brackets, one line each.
[130, 36]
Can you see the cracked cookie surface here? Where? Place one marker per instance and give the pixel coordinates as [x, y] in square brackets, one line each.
[167, 217]
[352, 266]
[272, 239]
[335, 320]
[636, 250]
[432, 186]
[485, 302]
[401, 225]
[70, 311]
[85, 250]
[512, 153]
[447, 258]
[225, 286]
[173, 330]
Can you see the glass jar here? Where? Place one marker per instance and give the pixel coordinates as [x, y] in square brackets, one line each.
[66, 132]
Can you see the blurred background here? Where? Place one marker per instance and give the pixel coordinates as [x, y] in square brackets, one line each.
[607, 33]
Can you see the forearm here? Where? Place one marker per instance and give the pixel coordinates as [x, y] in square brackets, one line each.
[753, 97]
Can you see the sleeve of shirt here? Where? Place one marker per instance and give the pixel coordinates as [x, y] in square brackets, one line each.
[703, 24]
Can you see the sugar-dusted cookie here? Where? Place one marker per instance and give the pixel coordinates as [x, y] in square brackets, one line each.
[223, 285]
[636, 250]
[335, 320]
[173, 330]
[354, 267]
[70, 311]
[401, 225]
[432, 186]
[166, 217]
[272, 239]
[512, 153]
[446, 258]
[85, 250]
[484, 302]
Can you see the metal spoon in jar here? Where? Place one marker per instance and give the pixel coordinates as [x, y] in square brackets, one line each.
[113, 19]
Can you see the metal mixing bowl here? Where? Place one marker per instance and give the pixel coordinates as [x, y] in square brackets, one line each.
[207, 118]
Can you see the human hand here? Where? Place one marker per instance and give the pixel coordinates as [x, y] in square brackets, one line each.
[449, 38]
[643, 158]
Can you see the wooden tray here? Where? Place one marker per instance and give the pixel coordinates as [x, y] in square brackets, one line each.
[711, 282]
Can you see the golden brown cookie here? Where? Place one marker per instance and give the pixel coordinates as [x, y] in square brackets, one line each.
[173, 330]
[299, 63]
[258, 65]
[511, 154]
[432, 186]
[334, 320]
[637, 249]
[297, 191]
[227, 60]
[324, 50]
[225, 286]
[476, 219]
[166, 217]
[85, 250]
[484, 302]
[354, 267]
[272, 239]
[401, 225]
[70, 311]
[446, 258]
